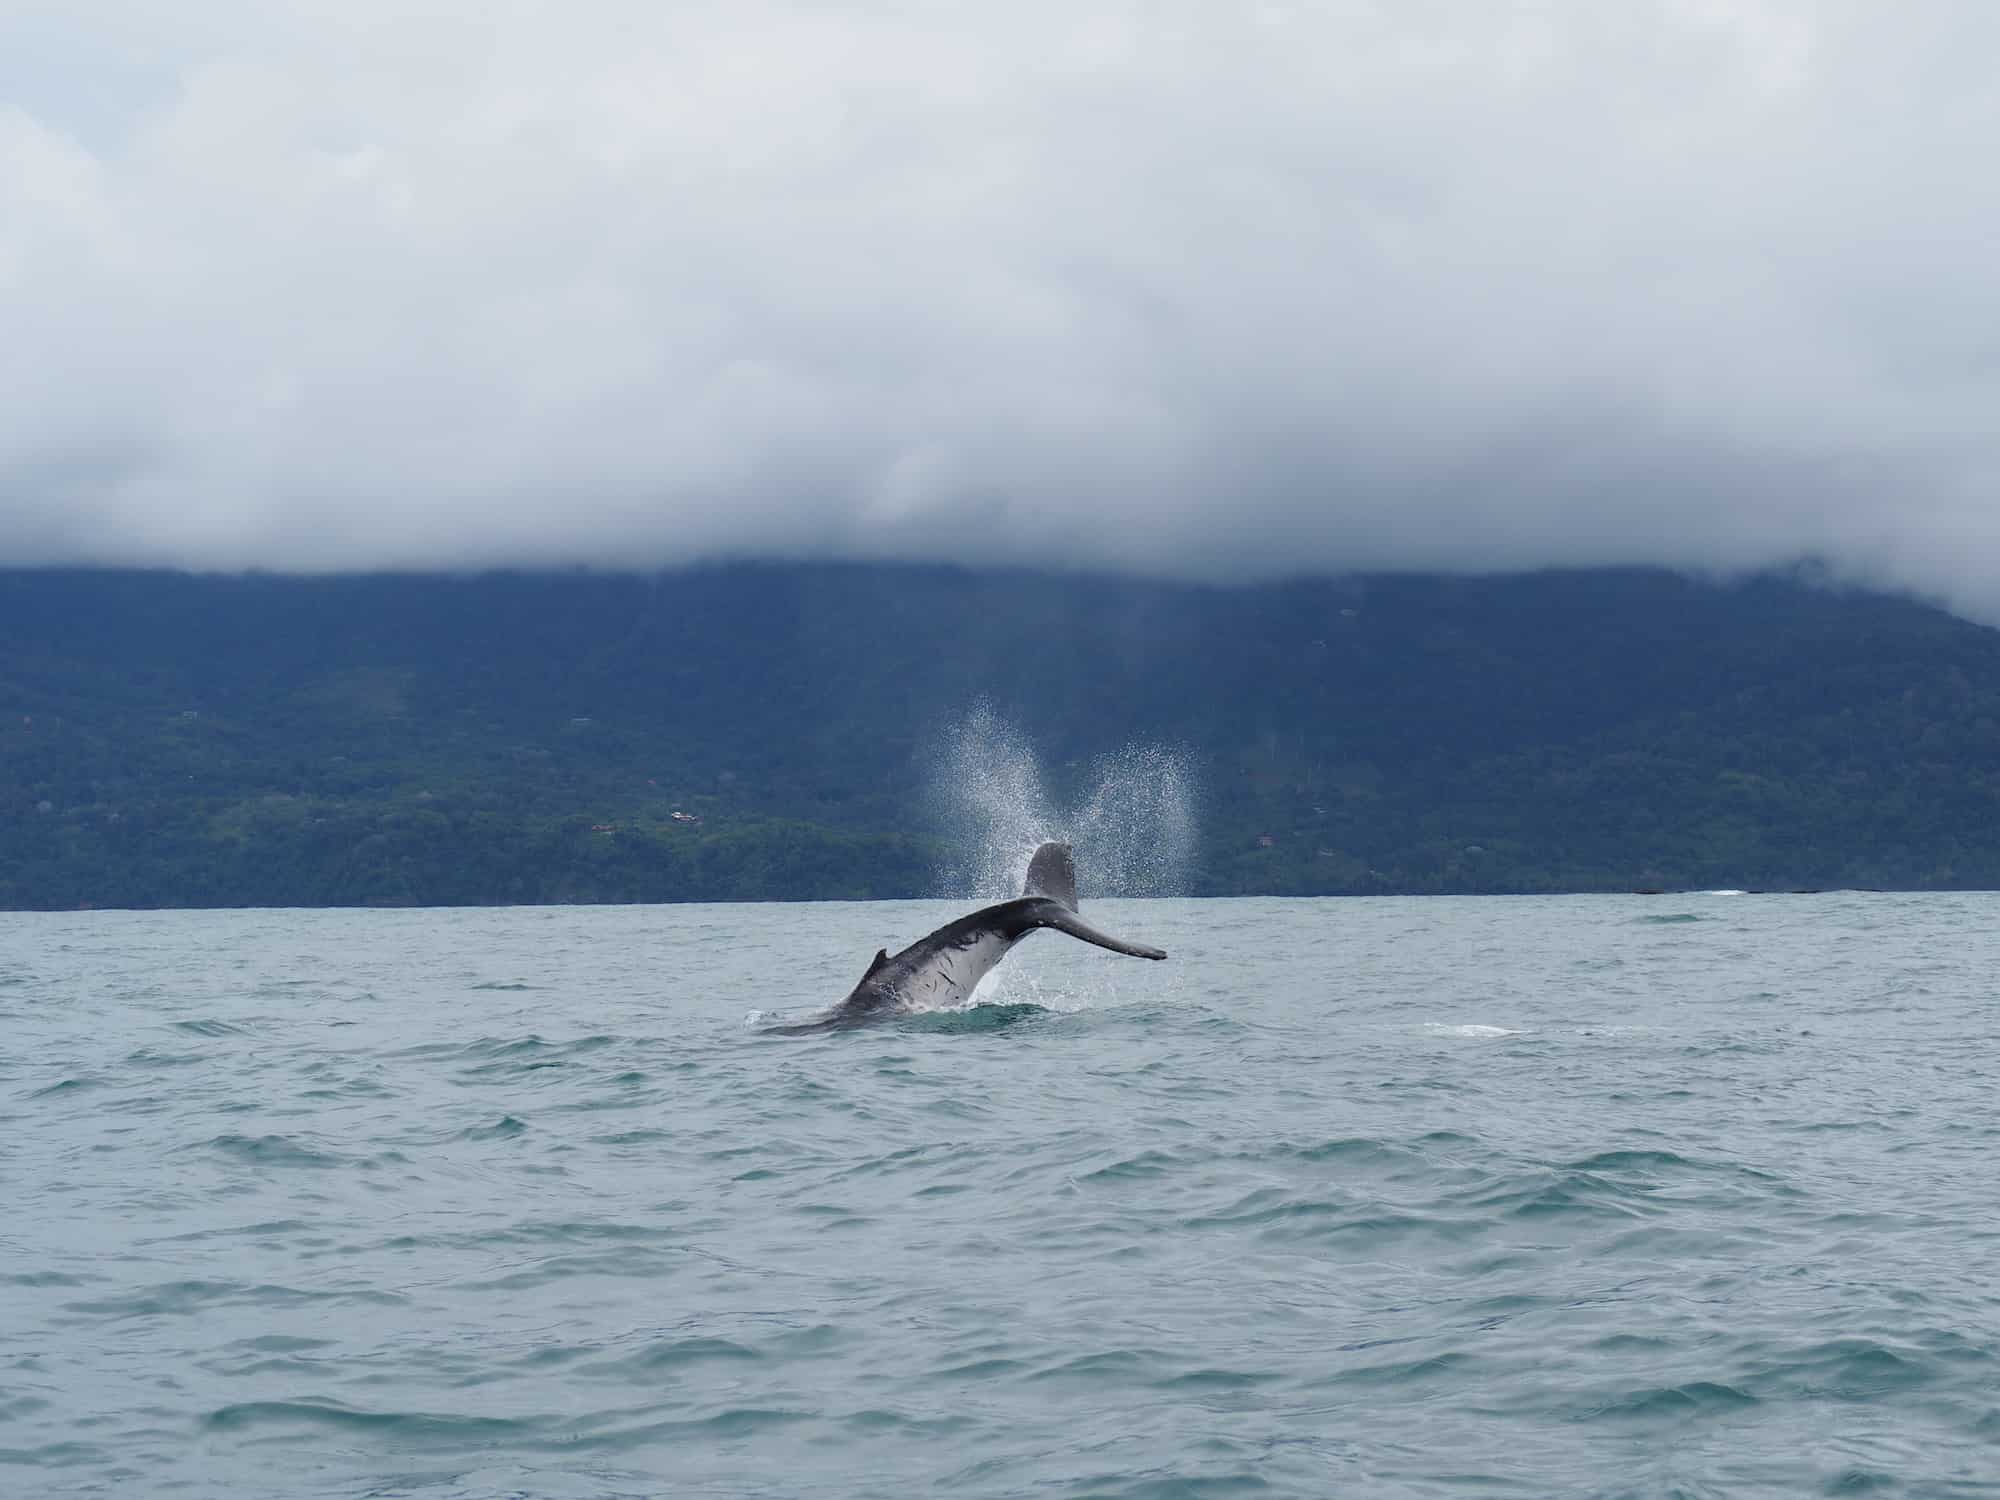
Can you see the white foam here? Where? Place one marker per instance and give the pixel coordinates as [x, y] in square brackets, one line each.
[793, 1015]
[1438, 1028]
[1021, 984]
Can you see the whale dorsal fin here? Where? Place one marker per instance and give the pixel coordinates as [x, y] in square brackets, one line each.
[1052, 873]
[881, 958]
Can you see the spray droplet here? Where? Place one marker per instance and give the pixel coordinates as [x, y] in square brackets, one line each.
[1133, 831]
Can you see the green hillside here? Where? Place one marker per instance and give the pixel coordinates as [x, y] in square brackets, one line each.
[173, 740]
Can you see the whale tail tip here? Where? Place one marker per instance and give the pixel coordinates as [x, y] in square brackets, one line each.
[1052, 873]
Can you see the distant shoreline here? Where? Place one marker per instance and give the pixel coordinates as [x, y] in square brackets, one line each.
[956, 900]
[773, 732]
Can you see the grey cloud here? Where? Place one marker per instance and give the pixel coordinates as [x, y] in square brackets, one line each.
[1213, 291]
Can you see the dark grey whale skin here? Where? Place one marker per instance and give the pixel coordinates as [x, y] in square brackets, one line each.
[945, 967]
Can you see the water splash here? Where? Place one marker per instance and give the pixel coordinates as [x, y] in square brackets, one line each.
[991, 800]
[1135, 833]
[1133, 830]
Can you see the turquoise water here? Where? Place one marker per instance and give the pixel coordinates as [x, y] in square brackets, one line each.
[1688, 1195]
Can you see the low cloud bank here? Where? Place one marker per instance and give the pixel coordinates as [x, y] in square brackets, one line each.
[1216, 292]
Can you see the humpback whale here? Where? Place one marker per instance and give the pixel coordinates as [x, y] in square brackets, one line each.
[944, 968]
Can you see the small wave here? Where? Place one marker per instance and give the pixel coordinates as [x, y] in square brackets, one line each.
[232, 1231]
[1147, 1164]
[1265, 1206]
[1567, 1191]
[1611, 1161]
[192, 1298]
[1644, 1163]
[503, 1129]
[146, 1057]
[1850, 1369]
[270, 1151]
[282, 1343]
[496, 1059]
[1673, 1402]
[733, 1425]
[1350, 1148]
[52, 1456]
[1110, 1364]
[210, 1028]
[44, 1278]
[531, 1045]
[421, 1426]
[67, 1086]
[1667, 918]
[1398, 1371]
[673, 1354]
[1445, 1138]
[975, 1018]
[981, 1369]
[547, 1232]
[1473, 1032]
[632, 1262]
[1214, 1379]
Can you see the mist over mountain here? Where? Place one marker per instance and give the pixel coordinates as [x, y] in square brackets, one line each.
[168, 739]
[1221, 293]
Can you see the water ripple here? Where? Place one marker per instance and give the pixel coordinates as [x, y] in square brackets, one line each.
[1500, 1198]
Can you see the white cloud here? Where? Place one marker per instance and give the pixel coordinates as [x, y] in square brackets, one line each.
[1196, 289]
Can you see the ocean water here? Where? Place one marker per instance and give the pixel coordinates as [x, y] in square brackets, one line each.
[1688, 1195]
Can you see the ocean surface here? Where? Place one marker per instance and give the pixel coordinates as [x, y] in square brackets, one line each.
[1690, 1195]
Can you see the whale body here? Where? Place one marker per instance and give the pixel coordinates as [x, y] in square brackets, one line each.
[944, 968]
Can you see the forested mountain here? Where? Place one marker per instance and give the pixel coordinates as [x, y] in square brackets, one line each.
[175, 740]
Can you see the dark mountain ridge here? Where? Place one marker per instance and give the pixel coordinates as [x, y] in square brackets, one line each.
[178, 740]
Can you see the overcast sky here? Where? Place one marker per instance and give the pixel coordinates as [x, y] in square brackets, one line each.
[1200, 289]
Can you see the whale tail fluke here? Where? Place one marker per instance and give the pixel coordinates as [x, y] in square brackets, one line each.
[1076, 927]
[1052, 877]
[1052, 873]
